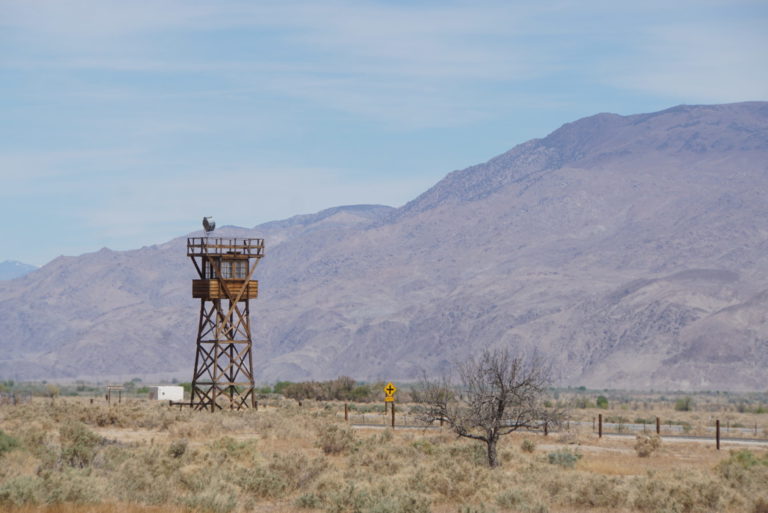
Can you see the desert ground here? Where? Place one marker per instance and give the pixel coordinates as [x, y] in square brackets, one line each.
[79, 454]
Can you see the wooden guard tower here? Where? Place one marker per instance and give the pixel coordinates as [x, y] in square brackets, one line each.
[223, 374]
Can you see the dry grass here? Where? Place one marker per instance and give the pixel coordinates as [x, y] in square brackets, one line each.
[147, 457]
[96, 508]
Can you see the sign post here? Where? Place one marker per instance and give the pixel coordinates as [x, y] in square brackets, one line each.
[389, 397]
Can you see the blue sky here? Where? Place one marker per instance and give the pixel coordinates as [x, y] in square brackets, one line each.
[122, 123]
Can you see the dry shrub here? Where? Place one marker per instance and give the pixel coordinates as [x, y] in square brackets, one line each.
[297, 468]
[283, 423]
[212, 501]
[41, 444]
[178, 448]
[468, 451]
[682, 491]
[424, 447]
[591, 490]
[262, 483]
[381, 461]
[569, 438]
[513, 499]
[7, 442]
[645, 445]
[364, 499]
[71, 486]
[78, 444]
[147, 477]
[564, 458]
[746, 472]
[333, 439]
[20, 490]
[103, 417]
[454, 479]
[163, 417]
[528, 446]
[283, 475]
[232, 448]
[308, 500]
[187, 430]
[194, 478]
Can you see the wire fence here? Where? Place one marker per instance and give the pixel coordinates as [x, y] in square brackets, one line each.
[406, 418]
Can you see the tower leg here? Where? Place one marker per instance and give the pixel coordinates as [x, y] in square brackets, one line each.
[223, 362]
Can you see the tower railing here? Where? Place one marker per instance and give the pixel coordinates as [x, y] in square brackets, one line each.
[212, 246]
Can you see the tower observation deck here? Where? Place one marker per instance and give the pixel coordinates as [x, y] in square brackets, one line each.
[223, 375]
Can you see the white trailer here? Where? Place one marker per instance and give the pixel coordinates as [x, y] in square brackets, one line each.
[166, 393]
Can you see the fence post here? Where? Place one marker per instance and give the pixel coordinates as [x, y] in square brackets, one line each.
[658, 426]
[546, 428]
[346, 413]
[717, 433]
[600, 425]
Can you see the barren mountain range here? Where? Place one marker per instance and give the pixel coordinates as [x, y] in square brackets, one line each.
[11, 269]
[630, 251]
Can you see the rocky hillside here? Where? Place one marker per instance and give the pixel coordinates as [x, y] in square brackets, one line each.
[630, 250]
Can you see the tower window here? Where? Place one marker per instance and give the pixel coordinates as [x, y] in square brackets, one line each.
[230, 269]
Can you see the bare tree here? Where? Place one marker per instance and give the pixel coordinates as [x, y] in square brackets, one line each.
[499, 394]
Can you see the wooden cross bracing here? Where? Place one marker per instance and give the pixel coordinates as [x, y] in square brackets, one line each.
[223, 375]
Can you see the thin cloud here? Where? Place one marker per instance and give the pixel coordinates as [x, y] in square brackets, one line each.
[417, 65]
[703, 62]
[132, 208]
[457, 41]
[150, 97]
[34, 171]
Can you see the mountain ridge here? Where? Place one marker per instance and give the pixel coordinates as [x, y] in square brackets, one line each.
[627, 249]
[12, 269]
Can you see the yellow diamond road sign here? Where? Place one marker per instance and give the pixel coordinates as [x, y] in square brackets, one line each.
[390, 389]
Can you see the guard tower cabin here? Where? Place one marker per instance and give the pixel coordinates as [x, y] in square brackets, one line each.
[223, 375]
[228, 262]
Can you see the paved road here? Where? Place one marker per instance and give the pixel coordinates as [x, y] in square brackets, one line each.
[759, 442]
[755, 442]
